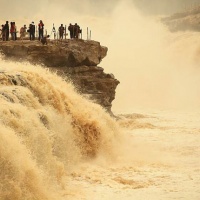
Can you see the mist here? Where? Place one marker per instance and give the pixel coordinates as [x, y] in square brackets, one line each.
[156, 68]
[28, 8]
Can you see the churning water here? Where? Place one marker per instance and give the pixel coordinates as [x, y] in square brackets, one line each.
[54, 144]
[46, 128]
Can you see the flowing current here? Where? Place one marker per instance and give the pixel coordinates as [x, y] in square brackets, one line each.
[46, 128]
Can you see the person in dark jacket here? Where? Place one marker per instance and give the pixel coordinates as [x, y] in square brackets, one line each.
[61, 31]
[71, 30]
[6, 30]
[32, 31]
[76, 30]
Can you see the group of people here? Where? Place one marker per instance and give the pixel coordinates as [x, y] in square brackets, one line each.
[5, 30]
[74, 30]
[12, 30]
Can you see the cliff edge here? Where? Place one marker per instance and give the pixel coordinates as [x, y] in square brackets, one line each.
[75, 59]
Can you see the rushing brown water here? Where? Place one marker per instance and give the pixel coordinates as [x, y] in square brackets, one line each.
[54, 144]
[46, 129]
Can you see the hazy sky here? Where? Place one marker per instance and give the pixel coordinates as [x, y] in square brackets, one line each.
[98, 7]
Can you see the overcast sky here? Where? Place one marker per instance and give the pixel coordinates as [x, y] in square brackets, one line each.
[28, 7]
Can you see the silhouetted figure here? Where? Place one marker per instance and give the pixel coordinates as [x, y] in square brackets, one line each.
[76, 30]
[41, 30]
[6, 30]
[32, 31]
[44, 39]
[61, 31]
[71, 30]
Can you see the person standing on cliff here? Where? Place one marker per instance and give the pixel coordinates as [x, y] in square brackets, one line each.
[71, 30]
[15, 31]
[23, 32]
[12, 30]
[6, 30]
[32, 31]
[76, 30]
[61, 30]
[41, 30]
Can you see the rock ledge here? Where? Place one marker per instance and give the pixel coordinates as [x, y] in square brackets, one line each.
[76, 59]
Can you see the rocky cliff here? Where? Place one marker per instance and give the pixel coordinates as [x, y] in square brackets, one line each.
[76, 59]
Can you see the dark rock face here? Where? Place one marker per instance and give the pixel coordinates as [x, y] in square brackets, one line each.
[93, 82]
[76, 59]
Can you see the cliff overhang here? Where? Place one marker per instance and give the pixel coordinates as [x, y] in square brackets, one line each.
[77, 60]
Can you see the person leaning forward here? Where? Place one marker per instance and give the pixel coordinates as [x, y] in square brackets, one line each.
[44, 40]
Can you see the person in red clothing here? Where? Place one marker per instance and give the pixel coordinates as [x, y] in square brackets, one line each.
[12, 30]
[41, 30]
